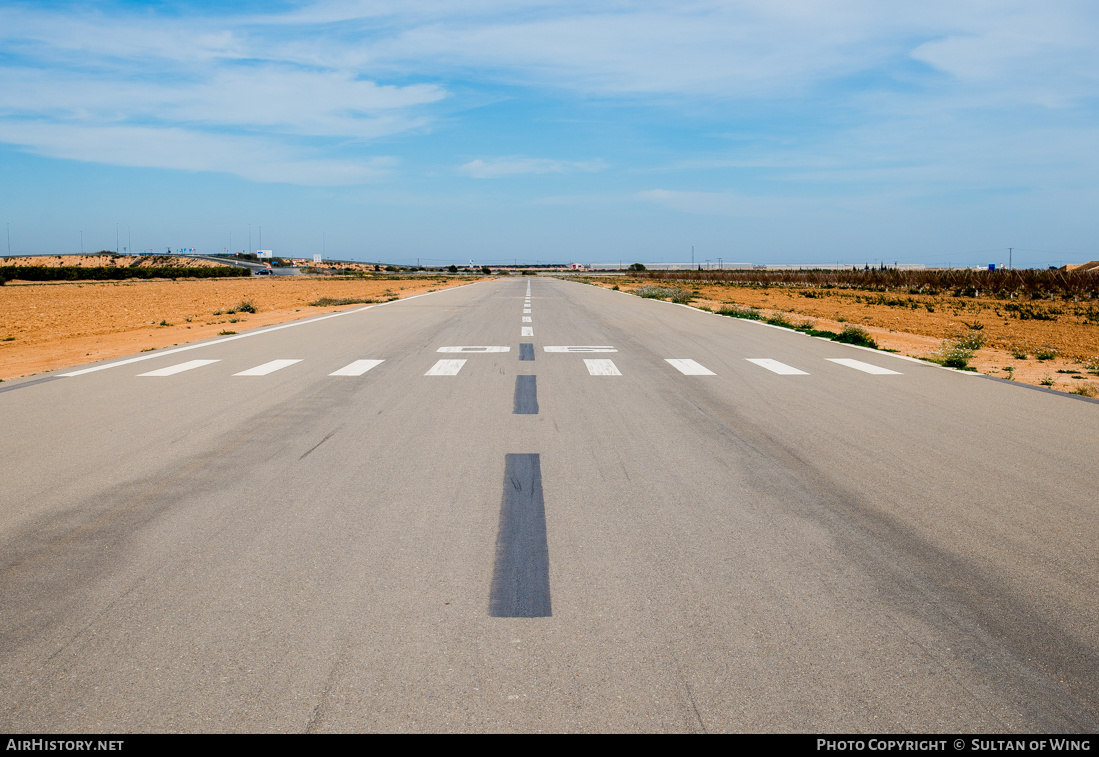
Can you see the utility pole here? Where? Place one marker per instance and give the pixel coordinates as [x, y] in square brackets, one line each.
[116, 239]
[719, 264]
[249, 239]
[129, 242]
[1008, 256]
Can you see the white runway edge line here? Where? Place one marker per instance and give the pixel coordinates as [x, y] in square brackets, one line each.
[446, 368]
[258, 332]
[689, 367]
[602, 368]
[180, 368]
[858, 365]
[527, 331]
[358, 368]
[775, 366]
[266, 368]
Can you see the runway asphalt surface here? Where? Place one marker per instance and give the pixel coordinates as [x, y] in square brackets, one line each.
[446, 537]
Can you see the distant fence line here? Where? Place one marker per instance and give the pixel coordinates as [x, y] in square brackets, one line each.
[965, 282]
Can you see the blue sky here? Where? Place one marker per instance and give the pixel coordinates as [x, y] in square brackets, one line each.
[765, 131]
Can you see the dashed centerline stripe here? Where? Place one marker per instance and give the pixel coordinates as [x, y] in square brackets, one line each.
[446, 368]
[689, 367]
[358, 368]
[527, 319]
[858, 365]
[527, 331]
[266, 368]
[775, 366]
[179, 368]
[602, 367]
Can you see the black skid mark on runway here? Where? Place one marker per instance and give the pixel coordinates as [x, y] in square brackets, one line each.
[526, 395]
[520, 580]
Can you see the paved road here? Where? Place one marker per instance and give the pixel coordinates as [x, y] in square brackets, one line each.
[224, 539]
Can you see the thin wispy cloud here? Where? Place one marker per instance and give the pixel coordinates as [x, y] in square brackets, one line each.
[495, 168]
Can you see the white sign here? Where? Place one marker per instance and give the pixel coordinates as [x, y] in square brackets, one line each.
[317, 258]
[264, 253]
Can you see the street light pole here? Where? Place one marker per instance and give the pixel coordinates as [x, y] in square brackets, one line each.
[116, 239]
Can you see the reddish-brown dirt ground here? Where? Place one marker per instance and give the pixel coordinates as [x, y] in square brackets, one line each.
[45, 326]
[918, 325]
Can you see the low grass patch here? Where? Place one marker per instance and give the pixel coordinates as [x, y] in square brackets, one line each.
[673, 294]
[957, 352]
[328, 302]
[856, 335]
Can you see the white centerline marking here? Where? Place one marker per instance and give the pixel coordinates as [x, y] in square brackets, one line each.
[179, 368]
[775, 366]
[602, 368]
[358, 368]
[474, 348]
[527, 331]
[858, 365]
[527, 319]
[526, 310]
[689, 367]
[579, 349]
[263, 370]
[446, 368]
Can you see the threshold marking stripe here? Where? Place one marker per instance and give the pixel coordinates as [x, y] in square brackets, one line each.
[358, 368]
[520, 576]
[446, 368]
[527, 319]
[474, 348]
[266, 368]
[580, 349]
[858, 365]
[775, 366]
[689, 367]
[602, 367]
[527, 331]
[179, 368]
